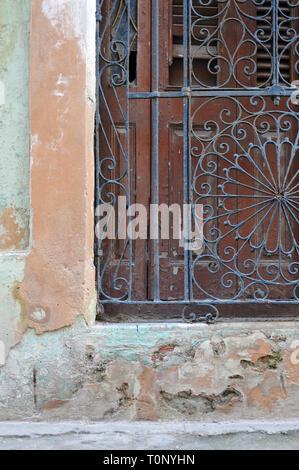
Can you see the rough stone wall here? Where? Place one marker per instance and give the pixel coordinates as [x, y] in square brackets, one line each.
[154, 372]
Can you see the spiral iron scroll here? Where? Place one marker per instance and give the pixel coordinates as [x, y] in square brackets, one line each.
[255, 28]
[246, 176]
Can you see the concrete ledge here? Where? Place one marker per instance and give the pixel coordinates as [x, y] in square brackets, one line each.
[22, 429]
[245, 435]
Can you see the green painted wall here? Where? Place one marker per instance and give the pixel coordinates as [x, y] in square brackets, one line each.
[14, 161]
[14, 125]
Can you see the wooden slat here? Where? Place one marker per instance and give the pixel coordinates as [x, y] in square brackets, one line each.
[196, 52]
[264, 61]
[177, 29]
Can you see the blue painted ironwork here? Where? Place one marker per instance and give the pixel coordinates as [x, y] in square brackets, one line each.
[247, 153]
[268, 198]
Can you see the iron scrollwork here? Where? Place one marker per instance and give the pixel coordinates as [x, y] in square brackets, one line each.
[243, 163]
[195, 313]
[232, 34]
[247, 180]
[115, 41]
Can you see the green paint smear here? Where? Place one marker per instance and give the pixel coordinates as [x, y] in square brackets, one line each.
[14, 111]
[131, 343]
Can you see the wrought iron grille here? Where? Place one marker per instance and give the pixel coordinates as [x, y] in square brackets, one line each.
[239, 127]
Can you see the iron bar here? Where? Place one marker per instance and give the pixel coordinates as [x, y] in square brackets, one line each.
[156, 66]
[250, 209]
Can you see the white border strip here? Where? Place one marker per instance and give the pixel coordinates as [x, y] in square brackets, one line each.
[24, 429]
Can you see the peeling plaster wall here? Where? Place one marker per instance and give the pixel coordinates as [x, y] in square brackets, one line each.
[46, 215]
[14, 125]
[14, 162]
[55, 366]
[59, 281]
[219, 372]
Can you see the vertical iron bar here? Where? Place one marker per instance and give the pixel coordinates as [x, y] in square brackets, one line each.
[97, 143]
[275, 41]
[276, 77]
[190, 66]
[128, 146]
[156, 149]
[186, 137]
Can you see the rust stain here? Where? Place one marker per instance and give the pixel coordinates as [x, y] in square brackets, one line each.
[262, 349]
[292, 369]
[21, 325]
[267, 393]
[162, 352]
[18, 298]
[147, 396]
[15, 234]
[54, 404]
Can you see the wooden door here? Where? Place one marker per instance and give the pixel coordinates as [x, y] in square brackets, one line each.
[124, 142]
[242, 153]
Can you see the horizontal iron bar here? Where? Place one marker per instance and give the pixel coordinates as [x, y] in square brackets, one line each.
[211, 93]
